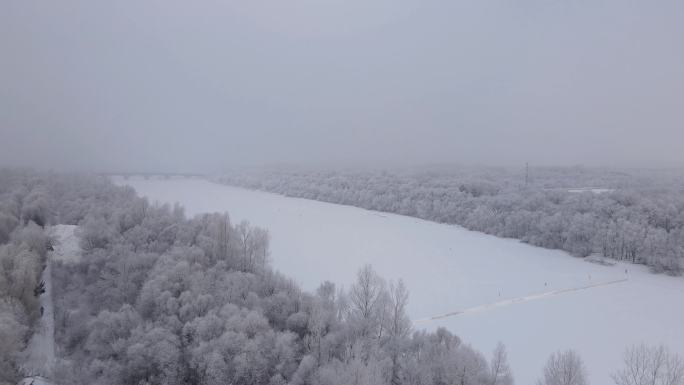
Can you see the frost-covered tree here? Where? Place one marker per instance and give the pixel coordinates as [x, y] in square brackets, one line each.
[367, 297]
[95, 232]
[398, 327]
[35, 207]
[500, 371]
[7, 224]
[14, 328]
[645, 365]
[564, 368]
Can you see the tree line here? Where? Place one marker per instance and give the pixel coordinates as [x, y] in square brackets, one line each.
[23, 248]
[637, 216]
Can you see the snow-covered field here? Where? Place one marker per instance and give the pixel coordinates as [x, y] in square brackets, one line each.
[483, 288]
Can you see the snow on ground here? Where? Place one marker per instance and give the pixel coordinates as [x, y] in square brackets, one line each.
[67, 248]
[450, 270]
[40, 352]
[36, 380]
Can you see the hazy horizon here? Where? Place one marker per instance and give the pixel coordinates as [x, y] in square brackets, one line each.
[176, 86]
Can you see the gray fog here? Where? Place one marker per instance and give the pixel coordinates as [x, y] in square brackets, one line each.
[195, 86]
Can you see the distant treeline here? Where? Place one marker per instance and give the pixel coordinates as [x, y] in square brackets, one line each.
[637, 216]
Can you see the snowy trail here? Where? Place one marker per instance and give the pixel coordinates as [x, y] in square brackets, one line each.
[40, 352]
[513, 301]
[39, 355]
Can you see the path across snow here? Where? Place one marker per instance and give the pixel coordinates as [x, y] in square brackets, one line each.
[513, 301]
[40, 351]
[36, 380]
[39, 355]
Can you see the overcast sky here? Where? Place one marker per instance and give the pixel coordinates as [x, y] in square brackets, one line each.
[201, 85]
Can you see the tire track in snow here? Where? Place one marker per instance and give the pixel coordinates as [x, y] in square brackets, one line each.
[513, 301]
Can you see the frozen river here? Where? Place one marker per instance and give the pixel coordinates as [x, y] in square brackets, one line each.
[533, 300]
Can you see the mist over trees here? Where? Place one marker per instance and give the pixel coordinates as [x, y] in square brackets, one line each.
[633, 216]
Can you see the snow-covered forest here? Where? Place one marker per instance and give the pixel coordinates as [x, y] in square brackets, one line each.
[157, 298]
[630, 215]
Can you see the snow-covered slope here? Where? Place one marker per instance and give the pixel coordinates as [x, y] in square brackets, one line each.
[483, 288]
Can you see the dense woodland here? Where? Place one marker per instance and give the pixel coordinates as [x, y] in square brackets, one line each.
[23, 248]
[158, 298]
[632, 215]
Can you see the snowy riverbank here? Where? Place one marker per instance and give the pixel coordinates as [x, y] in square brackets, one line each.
[449, 269]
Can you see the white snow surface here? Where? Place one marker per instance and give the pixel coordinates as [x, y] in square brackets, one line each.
[40, 352]
[36, 380]
[483, 288]
[67, 248]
